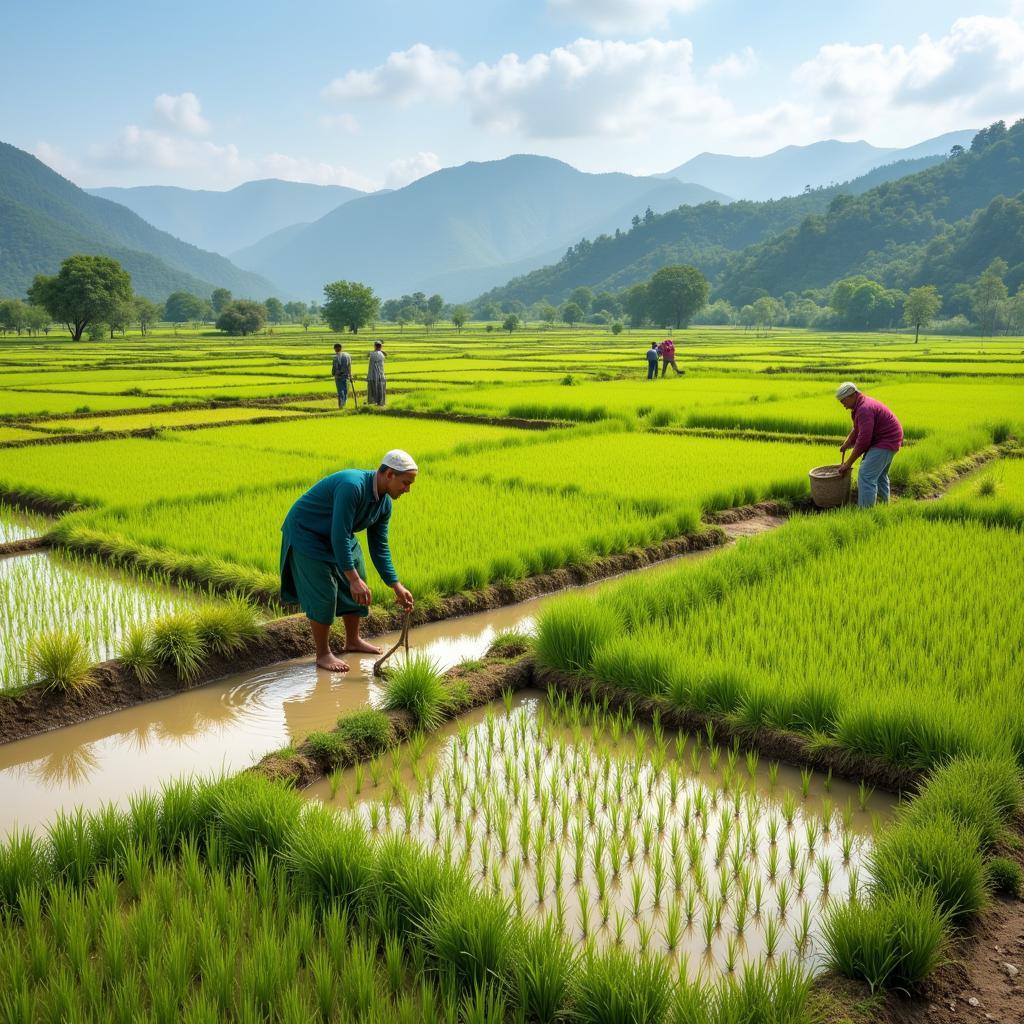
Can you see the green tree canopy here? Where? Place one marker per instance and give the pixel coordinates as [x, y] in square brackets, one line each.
[85, 290]
[583, 297]
[571, 313]
[989, 296]
[460, 314]
[349, 305]
[920, 308]
[510, 323]
[146, 312]
[295, 311]
[181, 307]
[635, 304]
[435, 304]
[220, 298]
[676, 293]
[243, 316]
[275, 310]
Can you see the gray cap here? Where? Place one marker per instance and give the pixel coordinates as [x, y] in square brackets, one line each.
[399, 461]
[846, 389]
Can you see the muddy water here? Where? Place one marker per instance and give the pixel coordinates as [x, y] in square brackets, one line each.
[624, 837]
[221, 727]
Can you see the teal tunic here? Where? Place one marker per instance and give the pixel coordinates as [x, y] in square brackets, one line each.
[323, 523]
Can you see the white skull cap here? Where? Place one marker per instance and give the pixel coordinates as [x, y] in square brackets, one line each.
[846, 389]
[399, 461]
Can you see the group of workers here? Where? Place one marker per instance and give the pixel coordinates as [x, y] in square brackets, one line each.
[322, 566]
[376, 383]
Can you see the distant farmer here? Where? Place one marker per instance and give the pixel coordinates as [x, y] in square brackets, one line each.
[668, 356]
[652, 361]
[341, 368]
[376, 387]
[322, 565]
[877, 435]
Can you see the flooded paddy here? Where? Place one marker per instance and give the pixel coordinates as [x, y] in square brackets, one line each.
[17, 525]
[627, 835]
[45, 590]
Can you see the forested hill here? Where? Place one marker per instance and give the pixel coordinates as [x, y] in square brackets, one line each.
[705, 236]
[45, 218]
[887, 231]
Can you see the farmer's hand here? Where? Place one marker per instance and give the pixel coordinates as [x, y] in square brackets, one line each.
[844, 469]
[402, 596]
[359, 590]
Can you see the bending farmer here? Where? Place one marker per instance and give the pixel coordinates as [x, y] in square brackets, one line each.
[877, 435]
[322, 567]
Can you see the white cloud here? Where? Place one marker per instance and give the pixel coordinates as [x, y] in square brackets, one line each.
[405, 77]
[402, 172]
[735, 65]
[180, 113]
[626, 16]
[974, 71]
[345, 123]
[592, 88]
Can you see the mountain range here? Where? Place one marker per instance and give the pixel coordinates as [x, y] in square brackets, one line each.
[462, 229]
[790, 170]
[44, 218]
[225, 221]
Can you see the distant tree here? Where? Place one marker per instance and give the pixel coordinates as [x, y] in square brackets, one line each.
[676, 293]
[295, 311]
[406, 315]
[547, 312]
[275, 310]
[428, 318]
[510, 323]
[843, 291]
[635, 304]
[121, 316]
[84, 291]
[435, 304]
[13, 315]
[145, 312]
[306, 322]
[460, 314]
[719, 312]
[616, 328]
[583, 297]
[38, 319]
[989, 296]
[607, 303]
[920, 308]
[1015, 312]
[350, 305]
[747, 316]
[220, 298]
[98, 330]
[765, 311]
[181, 307]
[389, 310]
[488, 311]
[243, 316]
[571, 313]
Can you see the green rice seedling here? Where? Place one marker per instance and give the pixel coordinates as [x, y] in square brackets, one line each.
[782, 898]
[864, 792]
[708, 926]
[805, 781]
[636, 894]
[828, 781]
[801, 878]
[894, 942]
[773, 773]
[826, 816]
[803, 930]
[606, 910]
[631, 847]
[176, 643]
[758, 895]
[696, 760]
[135, 652]
[60, 660]
[1005, 876]
[417, 687]
[619, 931]
[619, 986]
[938, 854]
[788, 809]
[773, 830]
[846, 843]
[714, 754]
[690, 905]
[772, 935]
[740, 917]
[825, 877]
[752, 760]
[731, 953]
[811, 833]
[540, 875]
[544, 973]
[793, 854]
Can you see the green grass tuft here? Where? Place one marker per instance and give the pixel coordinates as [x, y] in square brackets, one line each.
[416, 686]
[59, 659]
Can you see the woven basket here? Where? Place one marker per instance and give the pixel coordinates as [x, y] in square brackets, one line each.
[828, 488]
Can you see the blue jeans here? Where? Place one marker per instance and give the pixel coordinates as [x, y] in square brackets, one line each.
[342, 385]
[652, 369]
[873, 478]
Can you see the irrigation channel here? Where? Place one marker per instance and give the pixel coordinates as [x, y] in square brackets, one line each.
[226, 725]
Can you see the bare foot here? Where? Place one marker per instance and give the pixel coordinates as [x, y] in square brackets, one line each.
[331, 663]
[363, 646]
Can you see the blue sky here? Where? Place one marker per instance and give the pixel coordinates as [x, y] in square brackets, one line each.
[375, 94]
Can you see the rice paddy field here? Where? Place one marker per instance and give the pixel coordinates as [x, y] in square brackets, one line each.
[730, 781]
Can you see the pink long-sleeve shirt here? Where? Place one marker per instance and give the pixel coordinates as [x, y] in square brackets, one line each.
[874, 426]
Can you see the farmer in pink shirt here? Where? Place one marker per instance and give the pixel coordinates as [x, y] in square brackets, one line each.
[877, 435]
[668, 356]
